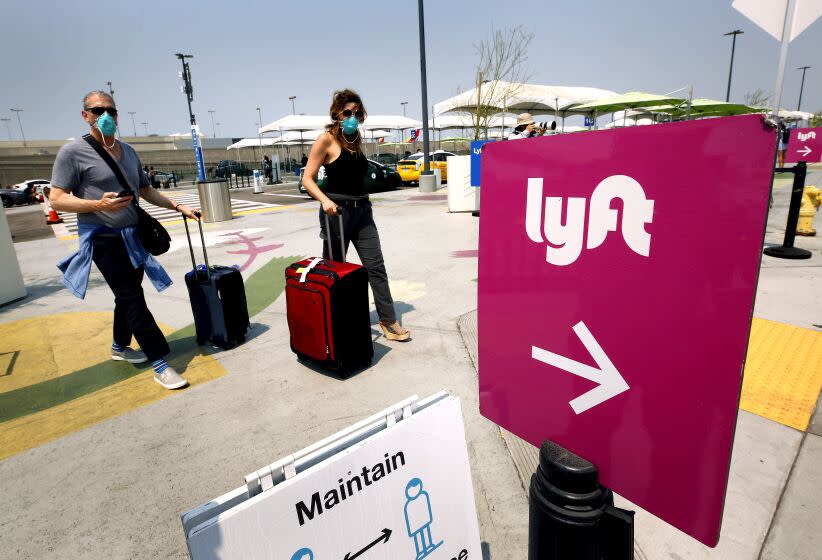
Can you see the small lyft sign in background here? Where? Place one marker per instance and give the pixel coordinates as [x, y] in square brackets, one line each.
[805, 144]
[617, 276]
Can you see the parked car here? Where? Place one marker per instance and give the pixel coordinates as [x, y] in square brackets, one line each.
[388, 159]
[409, 168]
[24, 193]
[227, 167]
[378, 178]
[165, 178]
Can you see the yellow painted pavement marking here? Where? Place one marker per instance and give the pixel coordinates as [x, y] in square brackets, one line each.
[37, 429]
[783, 373]
[60, 344]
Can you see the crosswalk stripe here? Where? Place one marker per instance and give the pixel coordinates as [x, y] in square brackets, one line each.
[166, 215]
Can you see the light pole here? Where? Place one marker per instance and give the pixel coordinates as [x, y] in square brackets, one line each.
[189, 91]
[218, 127]
[111, 93]
[260, 134]
[403, 103]
[134, 126]
[145, 125]
[803, 68]
[735, 32]
[8, 127]
[19, 122]
[426, 167]
[293, 110]
[213, 128]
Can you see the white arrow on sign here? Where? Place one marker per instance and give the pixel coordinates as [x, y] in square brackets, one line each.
[611, 383]
[806, 151]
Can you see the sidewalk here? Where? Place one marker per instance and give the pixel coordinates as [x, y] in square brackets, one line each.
[98, 461]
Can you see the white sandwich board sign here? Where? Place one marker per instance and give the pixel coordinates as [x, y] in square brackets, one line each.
[395, 486]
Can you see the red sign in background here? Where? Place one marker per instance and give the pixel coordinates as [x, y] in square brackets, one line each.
[617, 274]
[805, 144]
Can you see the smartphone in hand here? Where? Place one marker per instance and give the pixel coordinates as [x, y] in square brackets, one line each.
[122, 194]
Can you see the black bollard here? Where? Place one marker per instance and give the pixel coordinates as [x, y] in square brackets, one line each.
[571, 515]
[787, 250]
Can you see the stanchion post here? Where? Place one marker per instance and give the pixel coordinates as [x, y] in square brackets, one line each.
[787, 250]
[571, 515]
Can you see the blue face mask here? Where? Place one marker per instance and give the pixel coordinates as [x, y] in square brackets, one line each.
[105, 124]
[350, 125]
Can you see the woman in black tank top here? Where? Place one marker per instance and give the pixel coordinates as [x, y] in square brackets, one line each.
[340, 150]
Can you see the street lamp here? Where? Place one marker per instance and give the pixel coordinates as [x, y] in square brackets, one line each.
[145, 125]
[111, 93]
[260, 134]
[803, 68]
[293, 110]
[213, 129]
[426, 167]
[189, 91]
[134, 126]
[8, 127]
[403, 103]
[735, 32]
[19, 122]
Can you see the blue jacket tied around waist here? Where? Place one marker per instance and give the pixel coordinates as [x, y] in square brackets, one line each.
[77, 267]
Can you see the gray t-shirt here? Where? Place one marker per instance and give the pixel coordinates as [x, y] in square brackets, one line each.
[79, 170]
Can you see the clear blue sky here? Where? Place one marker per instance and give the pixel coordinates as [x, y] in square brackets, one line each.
[251, 53]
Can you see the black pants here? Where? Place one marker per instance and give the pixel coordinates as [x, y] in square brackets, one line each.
[359, 228]
[131, 315]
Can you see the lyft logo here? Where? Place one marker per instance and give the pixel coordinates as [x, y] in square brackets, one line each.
[806, 135]
[565, 240]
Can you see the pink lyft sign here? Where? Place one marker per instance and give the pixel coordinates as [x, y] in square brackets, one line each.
[617, 274]
[805, 144]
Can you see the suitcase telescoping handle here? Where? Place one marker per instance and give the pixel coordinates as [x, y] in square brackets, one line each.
[328, 236]
[191, 247]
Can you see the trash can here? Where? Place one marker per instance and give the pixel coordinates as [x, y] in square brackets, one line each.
[215, 202]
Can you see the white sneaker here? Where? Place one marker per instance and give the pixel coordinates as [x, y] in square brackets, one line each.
[170, 379]
[129, 355]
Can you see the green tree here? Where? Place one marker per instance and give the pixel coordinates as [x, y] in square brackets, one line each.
[502, 58]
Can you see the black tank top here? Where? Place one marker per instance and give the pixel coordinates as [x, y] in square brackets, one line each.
[345, 176]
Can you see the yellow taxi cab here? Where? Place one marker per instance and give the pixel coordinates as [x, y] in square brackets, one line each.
[409, 168]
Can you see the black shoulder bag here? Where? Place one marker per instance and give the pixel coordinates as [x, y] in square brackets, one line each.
[152, 234]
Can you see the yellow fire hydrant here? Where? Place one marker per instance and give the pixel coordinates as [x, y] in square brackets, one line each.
[811, 198]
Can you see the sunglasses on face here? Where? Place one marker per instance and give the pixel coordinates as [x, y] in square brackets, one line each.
[358, 113]
[100, 110]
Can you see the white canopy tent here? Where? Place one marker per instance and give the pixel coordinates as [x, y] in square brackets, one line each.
[251, 142]
[512, 97]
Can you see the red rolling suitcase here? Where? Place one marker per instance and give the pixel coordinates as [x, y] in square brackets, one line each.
[327, 309]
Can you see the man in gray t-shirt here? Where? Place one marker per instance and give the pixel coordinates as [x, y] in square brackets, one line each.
[82, 182]
[79, 170]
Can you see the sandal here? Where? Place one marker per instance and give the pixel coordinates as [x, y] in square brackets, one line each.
[393, 331]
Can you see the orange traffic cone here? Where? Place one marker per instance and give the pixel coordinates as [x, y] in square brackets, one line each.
[53, 217]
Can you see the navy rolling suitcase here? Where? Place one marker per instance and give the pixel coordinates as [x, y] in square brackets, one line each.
[217, 295]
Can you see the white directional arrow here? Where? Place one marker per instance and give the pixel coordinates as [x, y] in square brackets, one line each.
[611, 383]
[806, 151]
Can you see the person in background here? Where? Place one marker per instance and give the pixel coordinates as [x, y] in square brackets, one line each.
[782, 147]
[304, 161]
[525, 128]
[107, 217]
[339, 149]
[152, 178]
[267, 170]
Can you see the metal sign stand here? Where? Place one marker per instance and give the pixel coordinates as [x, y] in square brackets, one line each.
[787, 250]
[571, 515]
